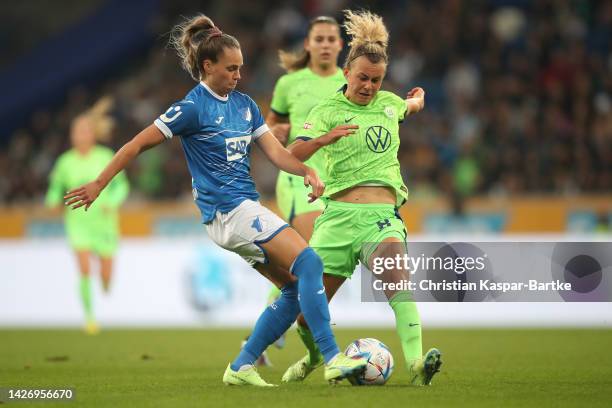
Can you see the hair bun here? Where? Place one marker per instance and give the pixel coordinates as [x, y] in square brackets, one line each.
[365, 28]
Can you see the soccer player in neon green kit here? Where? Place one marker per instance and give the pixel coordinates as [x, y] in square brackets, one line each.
[95, 232]
[312, 74]
[357, 131]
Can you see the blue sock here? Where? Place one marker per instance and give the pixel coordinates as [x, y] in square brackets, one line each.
[273, 322]
[308, 267]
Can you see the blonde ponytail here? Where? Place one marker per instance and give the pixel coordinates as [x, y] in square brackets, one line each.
[101, 121]
[369, 36]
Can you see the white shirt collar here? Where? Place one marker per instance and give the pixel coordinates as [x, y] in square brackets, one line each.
[213, 93]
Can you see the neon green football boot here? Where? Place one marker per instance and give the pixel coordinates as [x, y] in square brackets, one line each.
[300, 370]
[246, 375]
[342, 366]
[422, 371]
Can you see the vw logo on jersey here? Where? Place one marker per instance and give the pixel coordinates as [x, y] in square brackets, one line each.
[237, 147]
[378, 139]
[169, 116]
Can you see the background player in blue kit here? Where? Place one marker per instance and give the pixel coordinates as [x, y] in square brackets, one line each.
[217, 126]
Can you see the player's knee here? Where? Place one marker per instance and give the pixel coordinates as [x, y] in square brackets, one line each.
[307, 262]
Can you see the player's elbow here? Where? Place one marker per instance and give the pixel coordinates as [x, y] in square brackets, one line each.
[296, 153]
[300, 150]
[292, 146]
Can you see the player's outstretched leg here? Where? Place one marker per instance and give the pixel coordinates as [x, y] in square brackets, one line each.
[272, 323]
[408, 324]
[423, 370]
[264, 360]
[308, 267]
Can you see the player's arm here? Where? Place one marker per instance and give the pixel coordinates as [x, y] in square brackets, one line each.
[285, 161]
[86, 194]
[303, 148]
[415, 100]
[278, 116]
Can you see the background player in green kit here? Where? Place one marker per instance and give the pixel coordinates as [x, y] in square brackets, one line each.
[312, 74]
[95, 232]
[357, 131]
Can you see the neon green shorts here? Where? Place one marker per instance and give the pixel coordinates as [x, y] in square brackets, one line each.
[343, 228]
[292, 197]
[98, 236]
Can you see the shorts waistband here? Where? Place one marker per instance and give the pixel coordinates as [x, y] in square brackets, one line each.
[360, 206]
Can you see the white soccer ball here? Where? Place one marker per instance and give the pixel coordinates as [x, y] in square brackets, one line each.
[380, 361]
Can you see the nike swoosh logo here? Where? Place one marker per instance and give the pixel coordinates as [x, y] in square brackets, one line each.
[322, 291]
[348, 120]
[412, 324]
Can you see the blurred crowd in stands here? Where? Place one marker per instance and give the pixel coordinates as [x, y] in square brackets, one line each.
[519, 96]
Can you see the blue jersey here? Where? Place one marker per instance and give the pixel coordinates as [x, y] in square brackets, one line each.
[216, 133]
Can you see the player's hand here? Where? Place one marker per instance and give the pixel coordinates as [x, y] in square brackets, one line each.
[311, 178]
[338, 133]
[281, 132]
[415, 98]
[83, 196]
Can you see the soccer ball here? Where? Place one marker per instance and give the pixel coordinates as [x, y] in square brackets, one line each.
[380, 361]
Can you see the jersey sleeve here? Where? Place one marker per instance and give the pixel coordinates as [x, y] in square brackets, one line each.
[316, 124]
[181, 119]
[57, 185]
[280, 104]
[259, 124]
[400, 107]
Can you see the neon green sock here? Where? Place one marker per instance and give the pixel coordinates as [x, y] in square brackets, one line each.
[408, 324]
[308, 340]
[86, 298]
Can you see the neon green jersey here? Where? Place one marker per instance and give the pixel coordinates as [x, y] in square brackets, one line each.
[297, 93]
[73, 169]
[370, 155]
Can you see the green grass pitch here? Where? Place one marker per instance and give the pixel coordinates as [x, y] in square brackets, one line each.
[183, 368]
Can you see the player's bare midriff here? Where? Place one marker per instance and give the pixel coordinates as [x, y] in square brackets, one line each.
[366, 195]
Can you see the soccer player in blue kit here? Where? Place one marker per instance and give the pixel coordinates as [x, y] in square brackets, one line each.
[217, 126]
